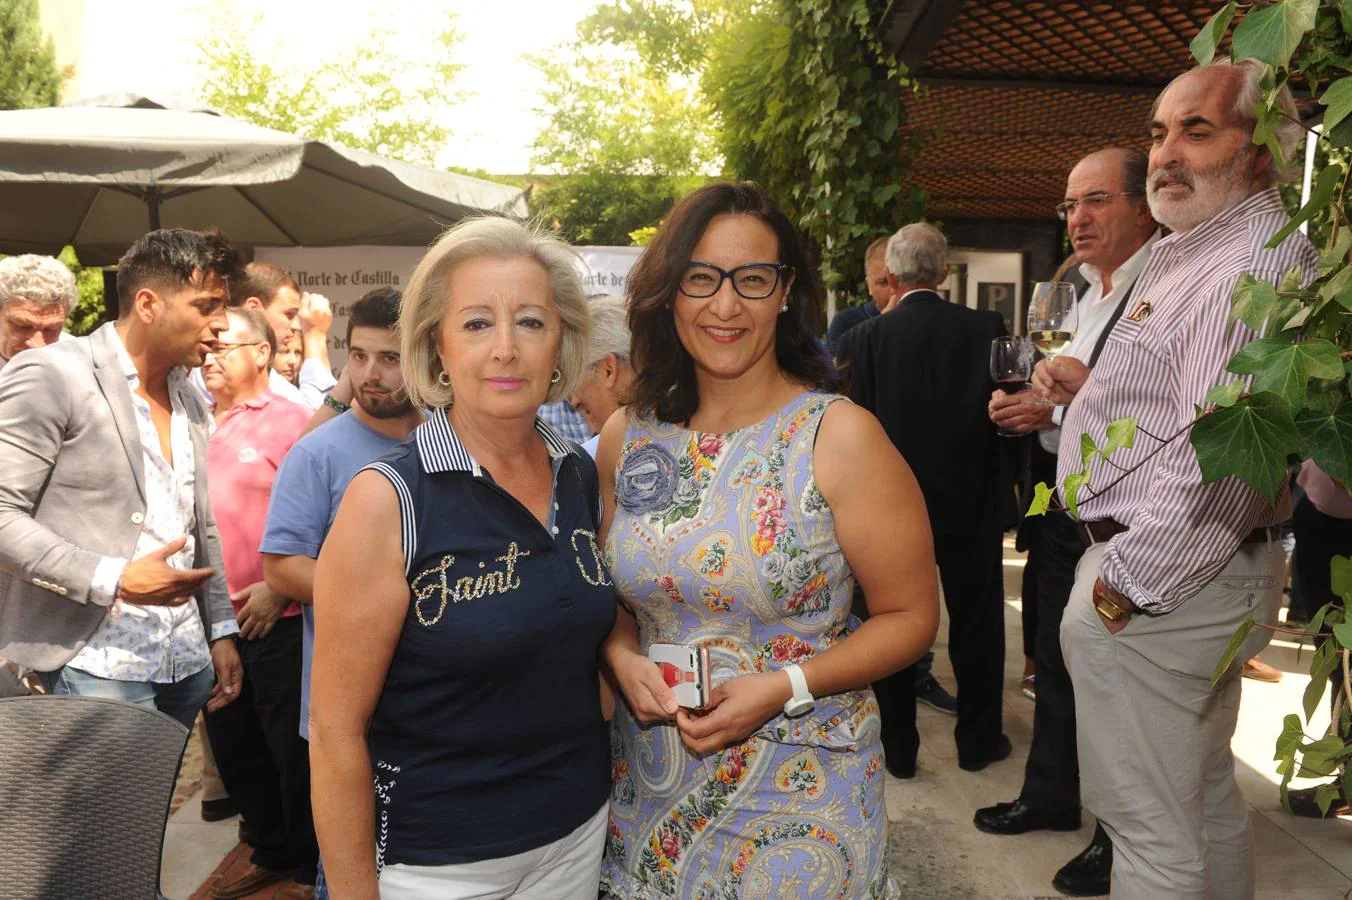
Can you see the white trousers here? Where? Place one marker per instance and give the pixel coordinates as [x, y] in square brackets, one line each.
[1154, 738]
[567, 869]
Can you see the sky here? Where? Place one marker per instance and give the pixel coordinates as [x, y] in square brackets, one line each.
[150, 48]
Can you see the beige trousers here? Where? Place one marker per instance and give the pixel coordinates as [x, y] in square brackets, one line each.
[1154, 738]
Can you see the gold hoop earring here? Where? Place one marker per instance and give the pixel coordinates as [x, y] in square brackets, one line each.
[556, 377]
[443, 379]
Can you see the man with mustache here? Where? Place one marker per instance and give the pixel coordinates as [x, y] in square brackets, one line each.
[315, 474]
[1110, 227]
[1174, 566]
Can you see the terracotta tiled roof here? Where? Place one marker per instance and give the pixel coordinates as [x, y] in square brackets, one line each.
[1018, 90]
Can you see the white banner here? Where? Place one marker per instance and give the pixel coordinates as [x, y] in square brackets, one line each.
[605, 270]
[344, 274]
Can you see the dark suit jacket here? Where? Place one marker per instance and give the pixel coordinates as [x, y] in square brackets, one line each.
[924, 370]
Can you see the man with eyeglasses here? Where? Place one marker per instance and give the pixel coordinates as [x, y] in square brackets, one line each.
[262, 759]
[1111, 230]
[927, 361]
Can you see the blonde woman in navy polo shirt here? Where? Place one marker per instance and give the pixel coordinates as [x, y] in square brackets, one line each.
[460, 602]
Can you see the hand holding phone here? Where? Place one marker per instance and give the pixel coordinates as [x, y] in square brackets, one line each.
[685, 669]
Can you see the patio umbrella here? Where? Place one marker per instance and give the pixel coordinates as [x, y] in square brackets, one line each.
[99, 174]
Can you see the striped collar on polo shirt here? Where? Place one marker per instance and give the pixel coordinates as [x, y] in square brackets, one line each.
[441, 450]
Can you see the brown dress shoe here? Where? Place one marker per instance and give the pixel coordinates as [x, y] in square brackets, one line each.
[1261, 671]
[254, 878]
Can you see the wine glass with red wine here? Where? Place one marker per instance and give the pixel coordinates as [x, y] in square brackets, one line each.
[1011, 367]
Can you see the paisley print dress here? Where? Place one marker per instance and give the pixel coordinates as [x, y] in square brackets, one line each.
[723, 540]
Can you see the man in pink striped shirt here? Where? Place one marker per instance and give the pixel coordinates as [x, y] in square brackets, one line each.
[1175, 566]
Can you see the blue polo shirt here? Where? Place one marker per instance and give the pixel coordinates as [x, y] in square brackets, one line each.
[488, 738]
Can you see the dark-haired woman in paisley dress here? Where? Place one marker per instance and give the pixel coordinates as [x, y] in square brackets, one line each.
[744, 498]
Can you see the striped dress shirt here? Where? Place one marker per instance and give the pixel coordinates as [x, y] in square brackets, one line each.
[1156, 368]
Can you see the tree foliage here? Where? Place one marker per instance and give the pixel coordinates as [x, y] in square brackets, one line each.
[369, 95]
[802, 98]
[624, 141]
[29, 76]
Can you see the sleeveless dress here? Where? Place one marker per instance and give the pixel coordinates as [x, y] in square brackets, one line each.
[723, 540]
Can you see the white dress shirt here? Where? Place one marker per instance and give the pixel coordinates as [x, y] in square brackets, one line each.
[1092, 312]
[154, 643]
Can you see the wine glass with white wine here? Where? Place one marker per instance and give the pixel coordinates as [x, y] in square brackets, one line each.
[1051, 319]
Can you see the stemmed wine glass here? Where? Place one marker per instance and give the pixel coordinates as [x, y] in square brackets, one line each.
[1011, 367]
[1051, 319]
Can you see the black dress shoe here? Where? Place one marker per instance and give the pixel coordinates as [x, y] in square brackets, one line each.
[218, 810]
[1090, 873]
[1016, 818]
[901, 771]
[1002, 750]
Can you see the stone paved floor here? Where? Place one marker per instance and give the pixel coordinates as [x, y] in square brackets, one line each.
[936, 851]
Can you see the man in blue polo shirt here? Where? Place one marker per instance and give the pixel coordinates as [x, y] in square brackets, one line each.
[313, 477]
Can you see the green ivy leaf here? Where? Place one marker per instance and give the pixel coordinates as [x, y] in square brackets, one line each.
[1290, 738]
[1324, 795]
[1322, 396]
[1231, 650]
[1250, 441]
[1338, 100]
[1321, 195]
[1070, 490]
[1335, 255]
[1341, 577]
[1121, 434]
[1320, 756]
[1203, 46]
[1328, 440]
[1342, 633]
[1284, 368]
[1339, 287]
[1225, 395]
[1042, 500]
[1252, 302]
[1345, 9]
[1323, 663]
[1087, 448]
[1272, 33]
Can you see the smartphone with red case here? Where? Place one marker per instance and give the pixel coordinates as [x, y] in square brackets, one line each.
[685, 668]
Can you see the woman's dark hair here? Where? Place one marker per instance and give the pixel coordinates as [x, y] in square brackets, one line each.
[664, 385]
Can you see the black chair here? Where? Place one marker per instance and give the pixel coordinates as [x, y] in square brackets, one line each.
[85, 786]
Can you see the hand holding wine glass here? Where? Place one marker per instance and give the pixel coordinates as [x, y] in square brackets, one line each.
[1052, 317]
[1011, 366]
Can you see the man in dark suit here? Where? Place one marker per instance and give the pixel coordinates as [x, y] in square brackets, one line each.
[923, 369]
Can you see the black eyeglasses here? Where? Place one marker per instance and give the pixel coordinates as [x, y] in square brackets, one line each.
[1093, 203]
[753, 281]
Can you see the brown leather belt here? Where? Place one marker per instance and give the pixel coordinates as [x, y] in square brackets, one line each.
[1101, 531]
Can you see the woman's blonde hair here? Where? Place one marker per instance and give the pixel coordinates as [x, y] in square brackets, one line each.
[425, 301]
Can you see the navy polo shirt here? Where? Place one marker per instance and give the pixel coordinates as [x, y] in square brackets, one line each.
[488, 738]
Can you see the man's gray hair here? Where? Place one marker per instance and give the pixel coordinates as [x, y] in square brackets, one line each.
[39, 280]
[610, 328]
[918, 254]
[1289, 130]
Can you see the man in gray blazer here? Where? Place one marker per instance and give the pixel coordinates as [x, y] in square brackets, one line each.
[106, 529]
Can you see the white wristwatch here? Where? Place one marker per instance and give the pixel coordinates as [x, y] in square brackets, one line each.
[802, 699]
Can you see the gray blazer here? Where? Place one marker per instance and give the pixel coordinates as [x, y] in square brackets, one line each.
[72, 491]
